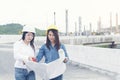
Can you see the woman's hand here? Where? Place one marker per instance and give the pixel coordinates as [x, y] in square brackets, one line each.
[32, 59]
[65, 60]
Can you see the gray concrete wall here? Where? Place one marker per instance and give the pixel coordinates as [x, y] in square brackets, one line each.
[101, 58]
[77, 40]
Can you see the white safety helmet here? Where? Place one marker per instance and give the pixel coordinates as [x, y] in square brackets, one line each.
[28, 29]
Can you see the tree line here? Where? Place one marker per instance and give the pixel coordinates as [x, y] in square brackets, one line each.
[16, 29]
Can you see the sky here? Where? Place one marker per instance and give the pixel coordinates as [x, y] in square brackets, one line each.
[40, 13]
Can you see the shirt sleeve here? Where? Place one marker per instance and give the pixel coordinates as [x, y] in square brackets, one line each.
[64, 49]
[18, 53]
[40, 54]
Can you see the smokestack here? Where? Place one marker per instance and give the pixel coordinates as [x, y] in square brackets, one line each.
[54, 18]
[99, 25]
[66, 22]
[80, 25]
[111, 22]
[90, 28]
[117, 29]
[75, 29]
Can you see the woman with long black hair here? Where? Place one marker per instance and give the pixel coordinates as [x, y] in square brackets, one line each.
[50, 50]
[24, 50]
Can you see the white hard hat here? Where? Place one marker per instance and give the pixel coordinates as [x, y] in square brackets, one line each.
[28, 29]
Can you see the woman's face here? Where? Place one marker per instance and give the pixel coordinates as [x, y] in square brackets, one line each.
[51, 36]
[29, 36]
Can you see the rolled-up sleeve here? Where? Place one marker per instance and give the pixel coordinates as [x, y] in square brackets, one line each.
[65, 51]
[40, 54]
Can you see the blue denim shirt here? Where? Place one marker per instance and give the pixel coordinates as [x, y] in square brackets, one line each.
[50, 55]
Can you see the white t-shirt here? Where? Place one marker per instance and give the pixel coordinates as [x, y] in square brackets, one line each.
[21, 53]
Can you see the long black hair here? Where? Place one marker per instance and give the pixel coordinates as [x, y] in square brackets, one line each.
[31, 42]
[57, 42]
